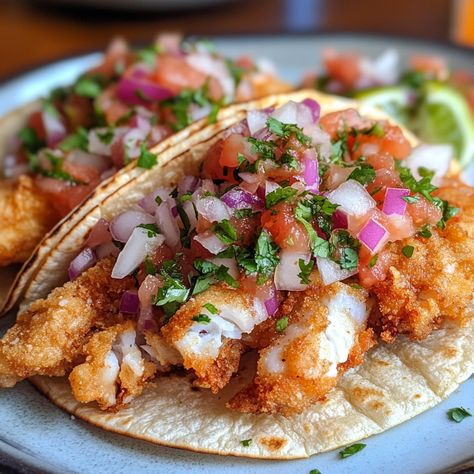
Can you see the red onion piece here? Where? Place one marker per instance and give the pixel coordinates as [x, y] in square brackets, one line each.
[99, 234]
[136, 90]
[130, 303]
[373, 235]
[272, 303]
[212, 209]
[84, 260]
[188, 184]
[123, 225]
[238, 198]
[353, 198]
[256, 120]
[167, 223]
[54, 128]
[311, 172]
[331, 272]
[149, 204]
[340, 220]
[287, 270]
[394, 202]
[314, 107]
[210, 242]
[138, 246]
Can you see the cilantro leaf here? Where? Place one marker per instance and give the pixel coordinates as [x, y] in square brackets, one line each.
[285, 130]
[246, 443]
[408, 250]
[146, 159]
[373, 260]
[351, 450]
[202, 318]
[266, 257]
[235, 70]
[319, 246]
[150, 267]
[281, 324]
[210, 274]
[458, 414]
[79, 140]
[241, 213]
[363, 173]
[88, 86]
[425, 231]
[225, 232]
[278, 195]
[30, 139]
[211, 308]
[305, 270]
[266, 149]
[152, 229]
[344, 249]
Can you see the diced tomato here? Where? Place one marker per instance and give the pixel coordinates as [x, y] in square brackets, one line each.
[245, 228]
[118, 53]
[202, 224]
[432, 65]
[399, 227]
[378, 272]
[381, 160]
[198, 251]
[35, 121]
[337, 122]
[162, 253]
[285, 230]
[342, 67]
[82, 173]
[384, 178]
[424, 212]
[212, 168]
[111, 106]
[78, 111]
[175, 74]
[231, 147]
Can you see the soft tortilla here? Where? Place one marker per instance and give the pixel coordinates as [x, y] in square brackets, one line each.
[394, 384]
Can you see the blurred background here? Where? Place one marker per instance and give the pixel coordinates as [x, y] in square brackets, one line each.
[33, 31]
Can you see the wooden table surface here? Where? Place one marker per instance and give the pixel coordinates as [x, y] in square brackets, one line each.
[33, 32]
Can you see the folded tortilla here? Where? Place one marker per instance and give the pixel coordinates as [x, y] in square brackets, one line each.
[395, 383]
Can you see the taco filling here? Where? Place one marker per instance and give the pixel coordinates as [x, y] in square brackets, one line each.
[306, 239]
[112, 115]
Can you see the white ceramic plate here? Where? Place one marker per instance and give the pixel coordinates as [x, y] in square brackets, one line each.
[36, 436]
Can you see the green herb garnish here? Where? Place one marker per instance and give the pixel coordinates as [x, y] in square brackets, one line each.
[305, 270]
[152, 229]
[246, 443]
[211, 308]
[225, 231]
[202, 318]
[278, 195]
[285, 130]
[281, 324]
[408, 251]
[146, 159]
[458, 414]
[351, 450]
[266, 257]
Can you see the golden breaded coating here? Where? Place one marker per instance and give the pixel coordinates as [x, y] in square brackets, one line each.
[299, 367]
[115, 370]
[433, 285]
[48, 337]
[26, 215]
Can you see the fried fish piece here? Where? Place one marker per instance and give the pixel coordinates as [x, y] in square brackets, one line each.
[436, 283]
[115, 370]
[208, 329]
[26, 216]
[48, 337]
[326, 335]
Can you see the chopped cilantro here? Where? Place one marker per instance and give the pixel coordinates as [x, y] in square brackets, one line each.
[281, 324]
[78, 140]
[266, 257]
[315, 471]
[235, 71]
[285, 130]
[106, 137]
[344, 250]
[246, 260]
[146, 159]
[356, 286]
[241, 213]
[305, 270]
[152, 229]
[209, 274]
[211, 308]
[373, 260]
[458, 414]
[56, 172]
[408, 251]
[447, 210]
[425, 231]
[278, 195]
[185, 197]
[158, 200]
[212, 117]
[363, 173]
[376, 130]
[246, 443]
[351, 450]
[225, 231]
[202, 318]
[150, 267]
[88, 86]
[266, 149]
[30, 139]
[290, 160]
[148, 55]
[411, 199]
[173, 292]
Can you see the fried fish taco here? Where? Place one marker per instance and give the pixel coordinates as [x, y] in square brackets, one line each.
[56, 152]
[290, 281]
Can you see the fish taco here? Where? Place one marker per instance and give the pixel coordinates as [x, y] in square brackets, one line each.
[293, 278]
[56, 152]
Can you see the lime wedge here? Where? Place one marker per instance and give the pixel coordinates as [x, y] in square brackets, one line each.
[444, 117]
[394, 100]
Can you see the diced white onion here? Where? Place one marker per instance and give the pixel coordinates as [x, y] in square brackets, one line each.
[353, 198]
[436, 158]
[331, 272]
[287, 270]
